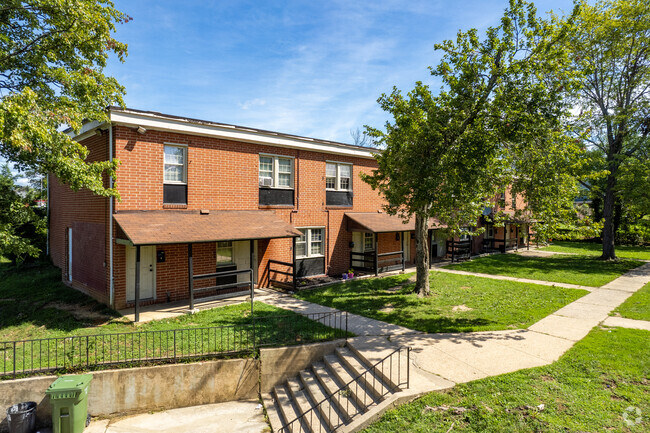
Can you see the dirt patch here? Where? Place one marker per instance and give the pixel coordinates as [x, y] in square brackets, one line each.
[461, 307]
[80, 312]
[394, 289]
[547, 378]
[387, 309]
[465, 287]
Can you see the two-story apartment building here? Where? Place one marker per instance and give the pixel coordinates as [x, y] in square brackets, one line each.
[200, 197]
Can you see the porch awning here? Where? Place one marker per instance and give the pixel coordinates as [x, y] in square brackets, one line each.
[374, 222]
[181, 227]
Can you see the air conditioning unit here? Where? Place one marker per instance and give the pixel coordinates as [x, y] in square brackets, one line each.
[266, 181]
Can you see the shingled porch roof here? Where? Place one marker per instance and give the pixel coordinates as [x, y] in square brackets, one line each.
[157, 227]
[375, 222]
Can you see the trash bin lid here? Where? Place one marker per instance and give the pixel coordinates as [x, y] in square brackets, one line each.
[69, 386]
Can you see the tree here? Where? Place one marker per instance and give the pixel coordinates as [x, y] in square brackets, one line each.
[22, 227]
[447, 155]
[610, 45]
[52, 54]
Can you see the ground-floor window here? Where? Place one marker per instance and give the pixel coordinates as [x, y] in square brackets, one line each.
[311, 242]
[224, 253]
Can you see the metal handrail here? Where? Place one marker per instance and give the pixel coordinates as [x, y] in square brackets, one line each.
[388, 385]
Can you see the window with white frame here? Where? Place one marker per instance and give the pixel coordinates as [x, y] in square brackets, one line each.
[175, 170]
[311, 243]
[276, 171]
[465, 235]
[368, 242]
[338, 176]
[225, 253]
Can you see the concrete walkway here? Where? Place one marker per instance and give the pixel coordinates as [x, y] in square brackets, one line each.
[236, 416]
[622, 322]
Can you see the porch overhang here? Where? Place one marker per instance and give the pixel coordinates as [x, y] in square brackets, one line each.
[160, 227]
[375, 222]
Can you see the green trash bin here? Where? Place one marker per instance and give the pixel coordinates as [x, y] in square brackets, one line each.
[69, 399]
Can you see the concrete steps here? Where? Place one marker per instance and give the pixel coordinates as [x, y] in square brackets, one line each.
[346, 375]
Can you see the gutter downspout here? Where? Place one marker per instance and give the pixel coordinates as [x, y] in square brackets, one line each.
[110, 220]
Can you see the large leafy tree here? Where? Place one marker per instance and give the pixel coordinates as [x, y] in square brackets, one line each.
[610, 46]
[445, 155]
[52, 54]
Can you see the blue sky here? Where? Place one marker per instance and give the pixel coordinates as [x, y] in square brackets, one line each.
[313, 68]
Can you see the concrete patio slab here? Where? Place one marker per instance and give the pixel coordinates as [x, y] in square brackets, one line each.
[569, 328]
[627, 323]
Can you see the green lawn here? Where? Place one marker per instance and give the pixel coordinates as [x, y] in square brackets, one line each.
[581, 270]
[637, 306]
[587, 248]
[589, 389]
[458, 303]
[34, 304]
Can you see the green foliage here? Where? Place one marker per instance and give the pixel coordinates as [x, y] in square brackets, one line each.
[588, 389]
[23, 227]
[490, 304]
[609, 49]
[52, 54]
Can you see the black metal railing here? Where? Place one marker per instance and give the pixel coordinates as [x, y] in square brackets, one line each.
[83, 352]
[459, 250]
[287, 269]
[363, 262]
[387, 376]
[372, 262]
[391, 261]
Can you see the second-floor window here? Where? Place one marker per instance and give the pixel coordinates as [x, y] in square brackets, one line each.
[175, 174]
[338, 176]
[276, 171]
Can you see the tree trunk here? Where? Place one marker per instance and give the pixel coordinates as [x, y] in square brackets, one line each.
[422, 255]
[608, 213]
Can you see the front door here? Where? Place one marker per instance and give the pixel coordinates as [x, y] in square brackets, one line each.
[407, 246]
[147, 272]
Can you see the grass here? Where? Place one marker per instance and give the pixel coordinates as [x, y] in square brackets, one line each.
[34, 304]
[481, 304]
[589, 389]
[581, 270]
[636, 306]
[595, 249]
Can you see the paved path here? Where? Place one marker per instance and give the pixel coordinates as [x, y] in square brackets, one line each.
[627, 323]
[463, 357]
[519, 280]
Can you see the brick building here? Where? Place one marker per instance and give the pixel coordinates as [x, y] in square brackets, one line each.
[200, 198]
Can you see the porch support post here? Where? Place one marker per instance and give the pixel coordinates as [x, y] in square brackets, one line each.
[403, 254]
[430, 241]
[376, 254]
[505, 236]
[190, 274]
[253, 265]
[293, 268]
[528, 236]
[453, 248]
[517, 238]
[137, 283]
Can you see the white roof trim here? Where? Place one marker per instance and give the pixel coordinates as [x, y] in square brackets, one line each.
[154, 122]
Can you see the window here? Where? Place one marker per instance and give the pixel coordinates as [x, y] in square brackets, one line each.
[338, 176]
[276, 171]
[224, 253]
[175, 164]
[514, 201]
[368, 242]
[310, 243]
[464, 236]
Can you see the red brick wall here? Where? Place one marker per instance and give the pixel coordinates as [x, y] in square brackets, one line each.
[68, 207]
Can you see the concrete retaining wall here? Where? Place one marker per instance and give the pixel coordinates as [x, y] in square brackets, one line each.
[145, 389]
[282, 363]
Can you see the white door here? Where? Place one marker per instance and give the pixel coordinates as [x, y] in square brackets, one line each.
[242, 257]
[147, 272]
[407, 246]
